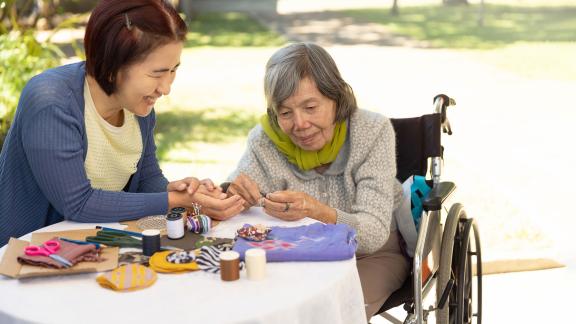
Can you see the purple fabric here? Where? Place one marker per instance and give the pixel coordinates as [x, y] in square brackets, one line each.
[315, 242]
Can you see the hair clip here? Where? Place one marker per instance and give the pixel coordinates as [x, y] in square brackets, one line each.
[128, 22]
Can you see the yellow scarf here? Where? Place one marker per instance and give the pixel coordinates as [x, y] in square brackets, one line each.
[305, 160]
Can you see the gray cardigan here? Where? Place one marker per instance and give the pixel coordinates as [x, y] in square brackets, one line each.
[360, 184]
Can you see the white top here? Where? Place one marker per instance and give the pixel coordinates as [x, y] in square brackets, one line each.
[113, 152]
[291, 292]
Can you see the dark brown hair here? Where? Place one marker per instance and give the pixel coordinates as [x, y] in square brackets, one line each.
[120, 33]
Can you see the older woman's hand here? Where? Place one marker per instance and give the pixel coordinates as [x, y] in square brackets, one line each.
[293, 205]
[246, 188]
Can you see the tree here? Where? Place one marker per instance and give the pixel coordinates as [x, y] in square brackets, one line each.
[394, 11]
[481, 14]
[455, 2]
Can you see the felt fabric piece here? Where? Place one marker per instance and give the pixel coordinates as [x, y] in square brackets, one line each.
[210, 241]
[305, 160]
[170, 261]
[181, 257]
[315, 242]
[209, 258]
[256, 233]
[129, 257]
[127, 278]
[70, 251]
[192, 241]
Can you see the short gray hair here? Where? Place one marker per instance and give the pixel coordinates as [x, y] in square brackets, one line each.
[293, 63]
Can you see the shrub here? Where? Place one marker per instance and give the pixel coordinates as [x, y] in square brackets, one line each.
[21, 57]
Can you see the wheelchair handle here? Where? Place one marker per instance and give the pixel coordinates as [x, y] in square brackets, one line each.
[441, 103]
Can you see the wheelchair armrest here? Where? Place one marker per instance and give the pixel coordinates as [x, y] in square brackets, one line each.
[436, 197]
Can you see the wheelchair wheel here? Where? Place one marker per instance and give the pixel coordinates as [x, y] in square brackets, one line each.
[456, 265]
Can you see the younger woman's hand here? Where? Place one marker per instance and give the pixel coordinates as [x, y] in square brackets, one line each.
[219, 208]
[190, 184]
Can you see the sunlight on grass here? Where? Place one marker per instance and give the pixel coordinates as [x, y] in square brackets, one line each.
[457, 27]
[547, 61]
[180, 130]
[230, 29]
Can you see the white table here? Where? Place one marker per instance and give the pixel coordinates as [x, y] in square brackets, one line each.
[293, 292]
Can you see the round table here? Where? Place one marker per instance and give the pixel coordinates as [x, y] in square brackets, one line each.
[292, 292]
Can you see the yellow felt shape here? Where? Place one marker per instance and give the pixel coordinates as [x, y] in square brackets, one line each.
[128, 277]
[160, 261]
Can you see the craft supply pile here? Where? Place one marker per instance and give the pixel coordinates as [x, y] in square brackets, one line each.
[179, 242]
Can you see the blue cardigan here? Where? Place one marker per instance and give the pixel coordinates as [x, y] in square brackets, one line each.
[42, 175]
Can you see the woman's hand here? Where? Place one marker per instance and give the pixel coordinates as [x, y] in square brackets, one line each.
[292, 206]
[213, 204]
[219, 208]
[246, 188]
[189, 184]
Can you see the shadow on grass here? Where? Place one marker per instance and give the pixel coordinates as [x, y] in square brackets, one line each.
[210, 126]
[434, 26]
[458, 27]
[229, 29]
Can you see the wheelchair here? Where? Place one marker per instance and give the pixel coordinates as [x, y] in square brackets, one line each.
[446, 246]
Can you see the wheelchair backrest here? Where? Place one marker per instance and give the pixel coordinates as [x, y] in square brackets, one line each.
[417, 139]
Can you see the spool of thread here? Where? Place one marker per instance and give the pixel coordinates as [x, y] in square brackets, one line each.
[150, 242]
[255, 263]
[175, 226]
[229, 266]
[178, 210]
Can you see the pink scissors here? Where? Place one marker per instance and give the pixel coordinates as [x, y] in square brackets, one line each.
[49, 248]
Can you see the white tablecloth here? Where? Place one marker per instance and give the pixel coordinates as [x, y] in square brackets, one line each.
[293, 292]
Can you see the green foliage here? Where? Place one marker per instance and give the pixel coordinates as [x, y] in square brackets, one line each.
[457, 26]
[230, 29]
[178, 127]
[21, 57]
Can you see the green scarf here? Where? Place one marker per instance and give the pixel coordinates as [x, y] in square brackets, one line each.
[305, 160]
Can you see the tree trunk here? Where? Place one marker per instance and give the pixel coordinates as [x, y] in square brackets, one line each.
[394, 11]
[455, 2]
[481, 14]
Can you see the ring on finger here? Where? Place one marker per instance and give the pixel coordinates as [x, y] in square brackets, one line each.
[286, 207]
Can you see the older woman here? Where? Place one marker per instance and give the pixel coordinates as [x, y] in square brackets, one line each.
[81, 146]
[318, 156]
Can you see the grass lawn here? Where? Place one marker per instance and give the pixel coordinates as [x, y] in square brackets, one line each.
[217, 96]
[533, 41]
[457, 26]
[540, 60]
[229, 29]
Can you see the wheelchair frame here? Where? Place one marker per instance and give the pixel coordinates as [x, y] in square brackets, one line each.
[451, 249]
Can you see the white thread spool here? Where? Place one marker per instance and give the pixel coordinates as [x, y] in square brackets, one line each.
[175, 226]
[255, 263]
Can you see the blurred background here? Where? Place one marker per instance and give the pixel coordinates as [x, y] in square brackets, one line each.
[509, 64]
